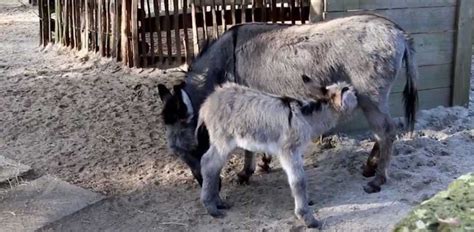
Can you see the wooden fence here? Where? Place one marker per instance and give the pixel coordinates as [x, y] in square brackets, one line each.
[442, 33]
[144, 33]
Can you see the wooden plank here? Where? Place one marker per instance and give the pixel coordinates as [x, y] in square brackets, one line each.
[100, 24]
[243, 8]
[281, 14]
[463, 51]
[416, 20]
[152, 42]
[214, 20]
[274, 11]
[177, 35]
[430, 77]
[232, 10]
[41, 16]
[134, 27]
[142, 43]
[224, 24]
[58, 18]
[317, 9]
[292, 10]
[87, 25]
[168, 29]
[302, 17]
[48, 20]
[156, 8]
[125, 31]
[185, 30]
[113, 33]
[345, 5]
[253, 10]
[204, 28]
[194, 25]
[264, 11]
[427, 99]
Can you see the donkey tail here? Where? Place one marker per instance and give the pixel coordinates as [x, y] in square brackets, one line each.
[410, 93]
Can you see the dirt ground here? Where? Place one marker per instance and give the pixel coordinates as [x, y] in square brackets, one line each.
[96, 124]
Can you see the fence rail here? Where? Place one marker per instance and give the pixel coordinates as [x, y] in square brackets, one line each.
[144, 33]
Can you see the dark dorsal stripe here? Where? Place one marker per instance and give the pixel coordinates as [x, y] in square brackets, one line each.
[312, 106]
[287, 102]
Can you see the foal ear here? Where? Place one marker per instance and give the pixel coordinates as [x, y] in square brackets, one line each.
[165, 94]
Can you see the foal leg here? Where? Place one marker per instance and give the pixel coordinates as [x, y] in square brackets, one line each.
[384, 129]
[211, 165]
[265, 165]
[249, 168]
[292, 163]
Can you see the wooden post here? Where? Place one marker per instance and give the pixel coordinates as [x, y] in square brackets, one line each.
[243, 7]
[224, 24]
[203, 10]
[125, 30]
[264, 11]
[274, 11]
[135, 41]
[176, 31]
[48, 22]
[58, 19]
[156, 7]
[214, 19]
[168, 30]
[141, 20]
[195, 31]
[152, 42]
[316, 10]
[185, 29]
[40, 12]
[463, 52]
[232, 10]
[100, 26]
[292, 10]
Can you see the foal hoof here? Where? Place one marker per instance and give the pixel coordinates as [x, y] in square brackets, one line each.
[311, 222]
[368, 171]
[243, 178]
[371, 188]
[265, 168]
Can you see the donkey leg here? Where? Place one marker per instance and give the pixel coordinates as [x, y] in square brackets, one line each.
[292, 163]
[265, 165]
[211, 165]
[371, 165]
[384, 129]
[243, 176]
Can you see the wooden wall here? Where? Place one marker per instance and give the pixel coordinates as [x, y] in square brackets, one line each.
[441, 36]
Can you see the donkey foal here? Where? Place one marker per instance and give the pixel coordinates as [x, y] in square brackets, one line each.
[239, 117]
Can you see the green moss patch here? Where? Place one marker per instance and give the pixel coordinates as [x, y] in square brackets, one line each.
[449, 210]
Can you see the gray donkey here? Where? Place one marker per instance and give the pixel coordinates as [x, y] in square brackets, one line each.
[366, 51]
[239, 117]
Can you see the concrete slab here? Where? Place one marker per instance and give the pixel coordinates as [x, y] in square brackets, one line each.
[31, 206]
[10, 169]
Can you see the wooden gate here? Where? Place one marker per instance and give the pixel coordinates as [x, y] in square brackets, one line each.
[148, 33]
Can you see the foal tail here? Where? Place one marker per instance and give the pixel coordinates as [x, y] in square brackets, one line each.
[410, 93]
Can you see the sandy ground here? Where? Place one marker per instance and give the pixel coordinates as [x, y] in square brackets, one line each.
[94, 123]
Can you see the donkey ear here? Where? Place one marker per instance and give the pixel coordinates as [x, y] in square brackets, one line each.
[165, 94]
[305, 78]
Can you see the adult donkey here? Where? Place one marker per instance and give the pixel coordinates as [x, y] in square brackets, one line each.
[365, 50]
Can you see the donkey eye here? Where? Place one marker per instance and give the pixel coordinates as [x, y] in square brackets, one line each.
[344, 90]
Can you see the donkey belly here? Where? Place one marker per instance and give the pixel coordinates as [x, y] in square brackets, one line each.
[255, 146]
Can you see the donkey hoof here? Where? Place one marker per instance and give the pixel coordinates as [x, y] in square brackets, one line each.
[243, 178]
[265, 168]
[223, 205]
[371, 188]
[368, 171]
[311, 222]
[217, 214]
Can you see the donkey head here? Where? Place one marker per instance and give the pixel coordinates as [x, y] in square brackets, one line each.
[179, 119]
[341, 95]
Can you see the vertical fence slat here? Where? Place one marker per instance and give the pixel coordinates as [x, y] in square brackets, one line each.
[73, 24]
[100, 23]
[185, 29]
[48, 17]
[194, 25]
[152, 42]
[56, 22]
[176, 31]
[264, 10]
[301, 10]
[223, 14]
[140, 21]
[41, 16]
[253, 10]
[292, 11]
[204, 28]
[168, 30]
[242, 11]
[118, 22]
[282, 12]
[232, 10]
[274, 11]
[135, 41]
[214, 20]
[156, 7]
[124, 28]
